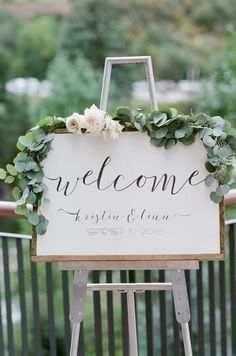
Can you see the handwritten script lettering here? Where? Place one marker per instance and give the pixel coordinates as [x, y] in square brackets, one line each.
[120, 183]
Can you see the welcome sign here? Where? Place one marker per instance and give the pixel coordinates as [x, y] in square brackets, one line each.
[127, 200]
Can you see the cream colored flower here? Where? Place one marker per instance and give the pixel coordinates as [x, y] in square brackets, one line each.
[75, 123]
[94, 120]
[111, 129]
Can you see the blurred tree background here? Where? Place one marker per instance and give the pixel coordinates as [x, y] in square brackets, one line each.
[66, 41]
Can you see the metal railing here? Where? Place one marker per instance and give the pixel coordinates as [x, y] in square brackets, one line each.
[34, 306]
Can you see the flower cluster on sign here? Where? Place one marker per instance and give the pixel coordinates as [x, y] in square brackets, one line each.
[94, 121]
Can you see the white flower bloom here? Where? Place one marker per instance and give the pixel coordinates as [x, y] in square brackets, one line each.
[94, 120]
[75, 123]
[111, 129]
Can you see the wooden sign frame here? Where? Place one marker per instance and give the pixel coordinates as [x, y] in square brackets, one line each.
[135, 258]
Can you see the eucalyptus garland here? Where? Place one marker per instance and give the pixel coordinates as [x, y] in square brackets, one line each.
[165, 129]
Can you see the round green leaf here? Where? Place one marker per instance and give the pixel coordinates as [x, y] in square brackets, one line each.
[209, 167]
[222, 189]
[31, 199]
[25, 141]
[9, 180]
[219, 121]
[3, 173]
[232, 132]
[42, 226]
[208, 141]
[217, 131]
[20, 166]
[33, 218]
[11, 169]
[209, 180]
[160, 133]
[47, 121]
[16, 192]
[180, 132]
[170, 143]
[215, 198]
[22, 210]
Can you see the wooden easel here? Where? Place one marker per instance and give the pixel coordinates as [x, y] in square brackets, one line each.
[177, 283]
[177, 286]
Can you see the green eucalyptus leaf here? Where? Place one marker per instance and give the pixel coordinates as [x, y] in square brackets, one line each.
[138, 126]
[30, 165]
[123, 111]
[9, 179]
[22, 156]
[3, 174]
[180, 133]
[33, 218]
[20, 166]
[20, 146]
[218, 121]
[49, 138]
[201, 118]
[39, 135]
[188, 140]
[22, 210]
[223, 136]
[170, 143]
[11, 169]
[216, 149]
[209, 180]
[217, 131]
[47, 121]
[209, 167]
[23, 198]
[232, 132]
[25, 141]
[208, 141]
[31, 199]
[37, 189]
[161, 132]
[38, 176]
[226, 179]
[16, 192]
[215, 198]
[42, 226]
[37, 147]
[23, 183]
[222, 190]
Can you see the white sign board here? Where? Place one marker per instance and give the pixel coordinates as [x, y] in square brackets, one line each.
[127, 200]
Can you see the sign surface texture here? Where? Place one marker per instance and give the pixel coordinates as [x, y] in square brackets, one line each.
[127, 199]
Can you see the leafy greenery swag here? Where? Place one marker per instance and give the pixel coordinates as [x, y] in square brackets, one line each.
[165, 129]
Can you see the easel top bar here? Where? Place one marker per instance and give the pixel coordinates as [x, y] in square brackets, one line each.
[128, 60]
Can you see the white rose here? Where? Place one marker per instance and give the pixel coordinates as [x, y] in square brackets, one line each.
[111, 129]
[75, 123]
[94, 120]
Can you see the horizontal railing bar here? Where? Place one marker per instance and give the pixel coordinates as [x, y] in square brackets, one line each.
[123, 287]
[230, 222]
[15, 236]
[230, 198]
[7, 209]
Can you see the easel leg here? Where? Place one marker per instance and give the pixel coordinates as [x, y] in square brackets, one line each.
[132, 324]
[77, 308]
[186, 339]
[181, 304]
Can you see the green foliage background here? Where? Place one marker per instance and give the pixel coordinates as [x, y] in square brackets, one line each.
[70, 51]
